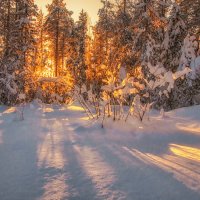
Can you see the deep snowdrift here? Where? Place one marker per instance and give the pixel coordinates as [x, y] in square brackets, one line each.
[56, 153]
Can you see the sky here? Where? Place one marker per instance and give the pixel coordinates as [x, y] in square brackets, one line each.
[90, 6]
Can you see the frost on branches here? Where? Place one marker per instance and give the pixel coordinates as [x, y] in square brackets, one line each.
[130, 97]
[190, 57]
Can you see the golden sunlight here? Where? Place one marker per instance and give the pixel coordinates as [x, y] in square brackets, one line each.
[190, 128]
[75, 108]
[183, 163]
[90, 6]
[84, 118]
[189, 153]
[10, 110]
[47, 72]
[48, 109]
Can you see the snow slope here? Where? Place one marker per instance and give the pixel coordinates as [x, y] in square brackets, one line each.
[57, 154]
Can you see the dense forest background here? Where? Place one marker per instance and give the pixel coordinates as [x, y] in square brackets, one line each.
[140, 53]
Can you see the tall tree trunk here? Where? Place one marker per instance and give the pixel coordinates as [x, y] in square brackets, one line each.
[125, 3]
[8, 25]
[63, 50]
[57, 44]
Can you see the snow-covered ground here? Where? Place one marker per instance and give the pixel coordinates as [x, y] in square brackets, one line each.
[57, 154]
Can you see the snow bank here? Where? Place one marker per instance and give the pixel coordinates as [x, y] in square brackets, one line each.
[57, 153]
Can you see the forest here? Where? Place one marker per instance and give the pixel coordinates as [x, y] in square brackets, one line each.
[100, 111]
[139, 54]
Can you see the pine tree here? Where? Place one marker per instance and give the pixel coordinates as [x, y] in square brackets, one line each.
[104, 30]
[58, 22]
[40, 52]
[191, 12]
[146, 27]
[81, 42]
[18, 54]
[175, 32]
[123, 35]
[101, 60]
[6, 21]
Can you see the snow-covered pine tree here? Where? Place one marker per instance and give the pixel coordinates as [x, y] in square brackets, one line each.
[159, 36]
[55, 27]
[148, 26]
[81, 42]
[191, 12]
[174, 33]
[189, 54]
[40, 52]
[101, 59]
[18, 54]
[123, 35]
[5, 20]
[65, 40]
[186, 86]
[104, 29]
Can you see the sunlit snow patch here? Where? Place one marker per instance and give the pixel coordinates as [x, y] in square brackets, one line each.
[75, 108]
[183, 163]
[190, 128]
[10, 110]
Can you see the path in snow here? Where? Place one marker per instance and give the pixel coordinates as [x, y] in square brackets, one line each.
[55, 155]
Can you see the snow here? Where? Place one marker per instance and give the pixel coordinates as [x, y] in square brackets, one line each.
[56, 153]
[195, 65]
[189, 56]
